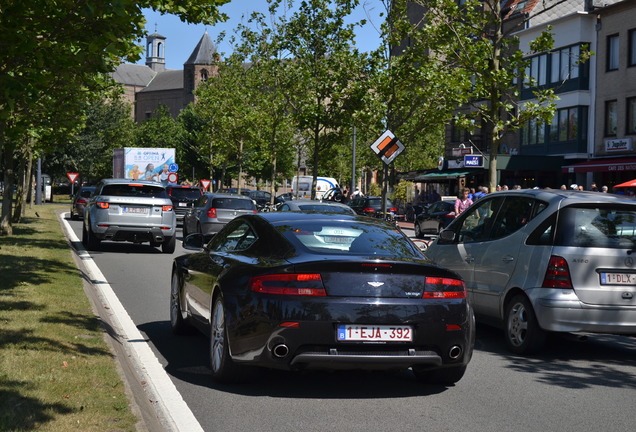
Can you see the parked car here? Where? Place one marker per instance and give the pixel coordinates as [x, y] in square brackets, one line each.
[371, 206]
[334, 194]
[234, 191]
[130, 210]
[262, 198]
[183, 198]
[434, 218]
[315, 206]
[79, 200]
[287, 196]
[290, 291]
[538, 261]
[212, 211]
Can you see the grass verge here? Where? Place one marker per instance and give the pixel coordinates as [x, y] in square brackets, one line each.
[56, 370]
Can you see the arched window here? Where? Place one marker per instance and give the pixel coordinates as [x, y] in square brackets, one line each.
[149, 49]
[160, 50]
[204, 75]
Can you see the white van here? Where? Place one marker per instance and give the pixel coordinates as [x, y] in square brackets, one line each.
[301, 186]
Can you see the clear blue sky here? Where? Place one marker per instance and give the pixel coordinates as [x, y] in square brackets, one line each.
[181, 38]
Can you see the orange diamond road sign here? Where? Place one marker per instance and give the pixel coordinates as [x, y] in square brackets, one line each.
[72, 176]
[387, 147]
[205, 184]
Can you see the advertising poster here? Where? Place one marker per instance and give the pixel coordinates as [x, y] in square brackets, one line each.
[147, 163]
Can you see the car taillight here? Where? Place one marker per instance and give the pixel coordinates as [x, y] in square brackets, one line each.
[444, 288]
[305, 284]
[558, 274]
[393, 209]
[211, 213]
[102, 205]
[368, 210]
[166, 208]
[81, 201]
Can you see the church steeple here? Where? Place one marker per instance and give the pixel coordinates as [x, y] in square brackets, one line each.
[200, 66]
[155, 52]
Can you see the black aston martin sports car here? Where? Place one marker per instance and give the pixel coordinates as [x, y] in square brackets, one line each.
[294, 290]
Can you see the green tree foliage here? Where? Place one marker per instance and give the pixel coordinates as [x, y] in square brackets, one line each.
[108, 126]
[55, 56]
[331, 76]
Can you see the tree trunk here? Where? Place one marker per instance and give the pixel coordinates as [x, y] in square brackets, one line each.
[7, 197]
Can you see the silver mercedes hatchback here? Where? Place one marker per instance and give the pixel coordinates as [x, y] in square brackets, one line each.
[539, 261]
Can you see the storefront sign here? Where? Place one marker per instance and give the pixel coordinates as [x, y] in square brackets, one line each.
[621, 144]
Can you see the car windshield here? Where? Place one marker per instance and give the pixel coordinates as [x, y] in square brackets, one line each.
[606, 227]
[86, 193]
[357, 238]
[233, 203]
[185, 193]
[134, 190]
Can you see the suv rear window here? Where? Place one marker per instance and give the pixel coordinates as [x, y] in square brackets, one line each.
[134, 190]
[606, 227]
[233, 203]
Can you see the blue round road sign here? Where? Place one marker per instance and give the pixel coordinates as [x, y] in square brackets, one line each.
[173, 167]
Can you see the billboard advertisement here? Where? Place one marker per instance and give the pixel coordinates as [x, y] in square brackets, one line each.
[144, 163]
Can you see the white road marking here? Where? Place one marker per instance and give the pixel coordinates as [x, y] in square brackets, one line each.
[167, 399]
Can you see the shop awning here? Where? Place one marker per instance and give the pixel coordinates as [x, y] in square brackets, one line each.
[446, 174]
[602, 165]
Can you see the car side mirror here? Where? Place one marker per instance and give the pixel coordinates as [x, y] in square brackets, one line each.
[447, 236]
[195, 241]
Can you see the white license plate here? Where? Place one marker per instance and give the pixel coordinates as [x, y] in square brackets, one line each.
[139, 210]
[371, 333]
[183, 204]
[618, 279]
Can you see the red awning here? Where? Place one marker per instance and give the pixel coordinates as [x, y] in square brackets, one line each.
[602, 165]
[631, 183]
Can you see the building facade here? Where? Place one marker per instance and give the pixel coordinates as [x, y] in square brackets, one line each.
[149, 86]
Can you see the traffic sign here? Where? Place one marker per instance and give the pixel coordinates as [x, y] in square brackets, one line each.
[173, 177]
[387, 147]
[205, 184]
[173, 167]
[72, 176]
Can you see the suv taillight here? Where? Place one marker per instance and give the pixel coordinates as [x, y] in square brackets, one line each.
[558, 274]
[393, 209]
[102, 205]
[166, 208]
[211, 213]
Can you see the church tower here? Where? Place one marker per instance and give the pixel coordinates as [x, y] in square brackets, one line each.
[155, 52]
[200, 66]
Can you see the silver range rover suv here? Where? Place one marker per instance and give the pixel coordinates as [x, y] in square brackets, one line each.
[136, 211]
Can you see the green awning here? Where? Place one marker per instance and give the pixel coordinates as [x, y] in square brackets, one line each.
[445, 174]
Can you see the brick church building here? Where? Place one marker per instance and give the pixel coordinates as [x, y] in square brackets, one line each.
[148, 86]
